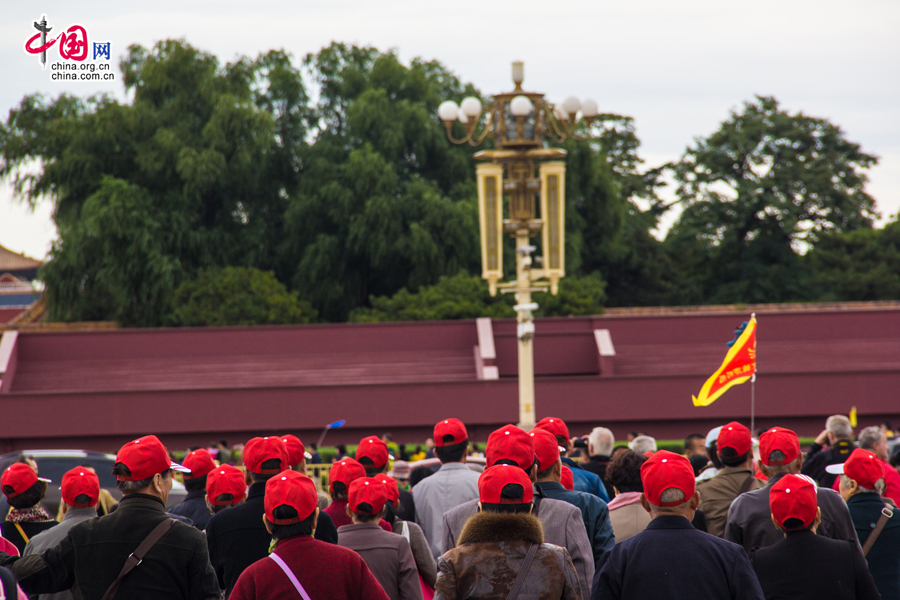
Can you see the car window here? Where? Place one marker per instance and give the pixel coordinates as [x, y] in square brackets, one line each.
[53, 468]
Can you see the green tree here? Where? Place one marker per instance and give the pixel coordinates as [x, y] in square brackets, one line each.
[237, 296]
[766, 185]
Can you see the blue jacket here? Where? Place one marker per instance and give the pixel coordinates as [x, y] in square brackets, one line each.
[594, 513]
[585, 481]
[194, 508]
[884, 558]
[671, 559]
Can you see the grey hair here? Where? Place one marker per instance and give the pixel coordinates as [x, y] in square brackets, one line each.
[603, 440]
[839, 426]
[672, 495]
[879, 485]
[870, 436]
[642, 444]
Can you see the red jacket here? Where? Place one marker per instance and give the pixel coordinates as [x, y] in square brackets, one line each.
[326, 572]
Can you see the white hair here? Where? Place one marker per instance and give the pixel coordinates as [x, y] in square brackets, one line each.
[672, 495]
[870, 436]
[839, 426]
[642, 444]
[879, 485]
[602, 441]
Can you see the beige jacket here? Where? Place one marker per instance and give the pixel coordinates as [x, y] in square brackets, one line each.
[717, 494]
[628, 519]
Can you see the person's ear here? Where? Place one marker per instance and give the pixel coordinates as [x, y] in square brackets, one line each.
[818, 518]
[479, 506]
[315, 521]
[348, 511]
[775, 521]
[532, 473]
[765, 470]
[695, 500]
[267, 524]
[557, 470]
[645, 503]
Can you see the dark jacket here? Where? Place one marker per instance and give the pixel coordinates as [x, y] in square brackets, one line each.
[194, 508]
[884, 558]
[597, 465]
[817, 459]
[324, 571]
[806, 566]
[594, 512]
[585, 481]
[11, 532]
[491, 551]
[90, 558]
[237, 537]
[671, 559]
[407, 510]
[388, 556]
[749, 522]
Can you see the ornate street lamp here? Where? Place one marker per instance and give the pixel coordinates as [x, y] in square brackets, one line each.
[527, 171]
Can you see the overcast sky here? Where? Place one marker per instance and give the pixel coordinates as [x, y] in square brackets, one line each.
[676, 67]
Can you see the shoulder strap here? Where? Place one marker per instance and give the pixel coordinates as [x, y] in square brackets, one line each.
[136, 557]
[745, 487]
[287, 571]
[22, 533]
[523, 572]
[886, 513]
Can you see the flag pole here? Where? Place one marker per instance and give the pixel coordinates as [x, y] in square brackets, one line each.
[753, 403]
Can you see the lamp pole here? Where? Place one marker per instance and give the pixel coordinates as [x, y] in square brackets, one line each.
[522, 124]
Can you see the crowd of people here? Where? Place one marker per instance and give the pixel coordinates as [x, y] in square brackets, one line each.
[548, 516]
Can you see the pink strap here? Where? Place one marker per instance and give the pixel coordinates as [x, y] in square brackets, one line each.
[290, 574]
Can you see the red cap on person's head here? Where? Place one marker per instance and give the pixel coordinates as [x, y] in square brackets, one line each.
[793, 497]
[390, 486]
[78, 481]
[145, 457]
[546, 448]
[665, 470]
[374, 449]
[493, 479]
[20, 477]
[260, 449]
[225, 480]
[290, 488]
[368, 490]
[861, 466]
[345, 471]
[510, 443]
[451, 427]
[295, 449]
[555, 426]
[735, 436]
[199, 462]
[566, 478]
[779, 438]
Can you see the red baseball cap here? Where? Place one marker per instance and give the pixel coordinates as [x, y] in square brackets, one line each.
[260, 449]
[145, 457]
[493, 479]
[80, 480]
[295, 449]
[735, 436]
[199, 462]
[510, 443]
[390, 486]
[20, 477]
[292, 489]
[345, 471]
[566, 478]
[793, 497]
[664, 470]
[861, 466]
[779, 438]
[375, 449]
[452, 427]
[545, 447]
[368, 490]
[554, 426]
[225, 480]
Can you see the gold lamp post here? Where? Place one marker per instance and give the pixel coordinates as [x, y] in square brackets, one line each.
[525, 170]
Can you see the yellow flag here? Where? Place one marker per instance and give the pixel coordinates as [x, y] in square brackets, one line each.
[853, 417]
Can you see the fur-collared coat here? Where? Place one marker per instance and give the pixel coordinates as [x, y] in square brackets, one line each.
[491, 551]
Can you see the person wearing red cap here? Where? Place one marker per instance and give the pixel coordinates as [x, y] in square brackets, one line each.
[238, 537]
[670, 558]
[414, 535]
[343, 473]
[562, 523]
[734, 447]
[503, 542]
[91, 557]
[594, 512]
[194, 504]
[24, 491]
[373, 454]
[226, 486]
[803, 565]
[862, 487]
[874, 440]
[299, 565]
[388, 555]
[585, 481]
[748, 522]
[297, 456]
[453, 484]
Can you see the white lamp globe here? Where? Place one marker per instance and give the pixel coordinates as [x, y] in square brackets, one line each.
[462, 117]
[471, 107]
[448, 110]
[589, 108]
[571, 105]
[520, 106]
[561, 114]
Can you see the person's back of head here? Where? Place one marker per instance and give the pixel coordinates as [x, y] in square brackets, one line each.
[734, 444]
[624, 471]
[511, 445]
[601, 442]
[143, 466]
[779, 451]
[372, 453]
[291, 505]
[367, 498]
[265, 457]
[451, 441]
[200, 462]
[505, 489]
[862, 472]
[418, 474]
[839, 427]
[22, 487]
[793, 504]
[874, 440]
[80, 488]
[225, 487]
[643, 444]
[669, 488]
[343, 473]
